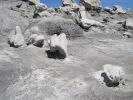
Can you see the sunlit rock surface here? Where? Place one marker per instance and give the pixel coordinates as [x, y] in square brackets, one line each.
[33, 73]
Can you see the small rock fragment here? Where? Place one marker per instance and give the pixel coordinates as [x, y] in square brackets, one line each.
[36, 40]
[127, 34]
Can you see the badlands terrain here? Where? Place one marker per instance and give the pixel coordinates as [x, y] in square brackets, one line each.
[73, 52]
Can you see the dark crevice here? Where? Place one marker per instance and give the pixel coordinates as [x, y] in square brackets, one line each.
[109, 82]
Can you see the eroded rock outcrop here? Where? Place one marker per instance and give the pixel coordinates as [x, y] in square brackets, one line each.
[86, 22]
[69, 7]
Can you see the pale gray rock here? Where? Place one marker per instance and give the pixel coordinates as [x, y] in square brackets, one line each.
[114, 73]
[127, 35]
[16, 40]
[36, 40]
[59, 43]
[86, 22]
[70, 10]
[82, 13]
[128, 24]
[10, 19]
[91, 4]
[111, 75]
[67, 2]
[44, 14]
[35, 1]
[108, 9]
[28, 73]
[118, 9]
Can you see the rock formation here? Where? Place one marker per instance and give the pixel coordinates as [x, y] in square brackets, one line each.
[59, 43]
[17, 39]
[36, 40]
[114, 73]
[127, 35]
[67, 2]
[111, 75]
[118, 9]
[56, 50]
[91, 4]
[85, 22]
[128, 24]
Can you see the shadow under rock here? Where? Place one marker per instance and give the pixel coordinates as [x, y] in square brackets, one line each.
[54, 55]
[108, 82]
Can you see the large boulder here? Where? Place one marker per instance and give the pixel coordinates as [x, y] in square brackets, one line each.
[57, 25]
[91, 4]
[17, 39]
[59, 43]
[128, 24]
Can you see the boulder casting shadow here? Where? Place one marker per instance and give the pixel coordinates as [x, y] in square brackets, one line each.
[54, 55]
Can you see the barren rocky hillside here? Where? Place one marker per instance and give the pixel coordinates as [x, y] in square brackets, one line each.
[74, 52]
